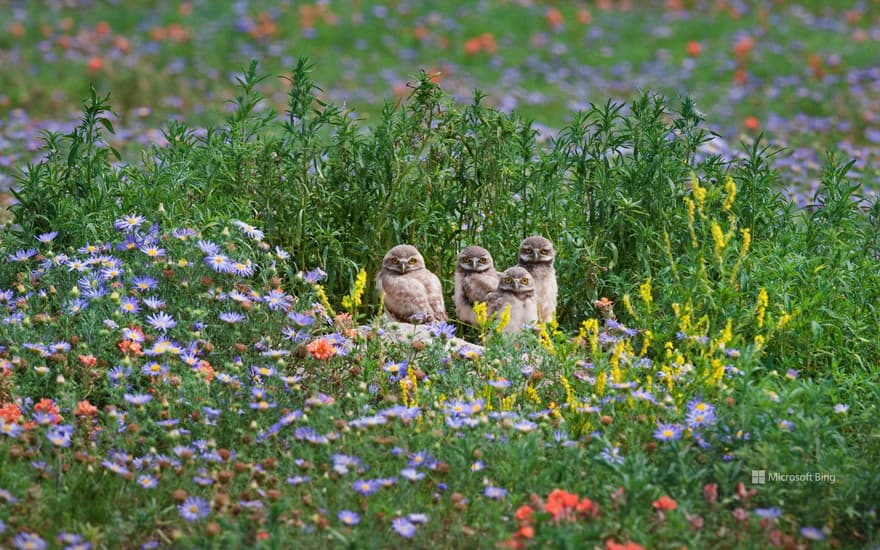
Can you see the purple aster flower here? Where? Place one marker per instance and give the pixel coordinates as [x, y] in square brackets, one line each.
[496, 493]
[301, 319]
[700, 419]
[298, 480]
[231, 317]
[161, 321]
[249, 230]
[22, 255]
[403, 527]
[143, 284]
[10, 429]
[276, 299]
[129, 305]
[348, 517]
[768, 513]
[611, 455]
[365, 487]
[812, 533]
[47, 237]
[242, 269]
[60, 435]
[139, 399]
[412, 474]
[219, 263]
[193, 508]
[129, 223]
[152, 250]
[841, 408]
[28, 541]
[417, 518]
[147, 481]
[667, 432]
[154, 303]
[75, 306]
[396, 370]
[314, 276]
[786, 425]
[442, 329]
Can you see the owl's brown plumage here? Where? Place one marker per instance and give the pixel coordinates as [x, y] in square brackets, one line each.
[536, 254]
[516, 290]
[475, 278]
[412, 293]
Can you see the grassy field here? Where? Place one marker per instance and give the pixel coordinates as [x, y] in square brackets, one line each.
[803, 73]
[192, 353]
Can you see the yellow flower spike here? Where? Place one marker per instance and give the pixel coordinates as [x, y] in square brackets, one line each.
[532, 394]
[668, 348]
[646, 342]
[645, 293]
[730, 190]
[353, 301]
[676, 308]
[546, 342]
[615, 362]
[600, 383]
[727, 334]
[699, 192]
[648, 383]
[720, 242]
[480, 313]
[761, 307]
[717, 372]
[759, 342]
[403, 392]
[504, 320]
[322, 296]
[627, 303]
[690, 208]
[784, 319]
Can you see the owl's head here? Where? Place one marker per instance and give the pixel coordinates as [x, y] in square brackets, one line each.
[402, 259]
[474, 259]
[536, 250]
[516, 280]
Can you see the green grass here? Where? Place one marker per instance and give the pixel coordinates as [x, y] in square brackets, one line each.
[686, 249]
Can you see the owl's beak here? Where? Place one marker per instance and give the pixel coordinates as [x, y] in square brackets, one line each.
[536, 255]
[474, 263]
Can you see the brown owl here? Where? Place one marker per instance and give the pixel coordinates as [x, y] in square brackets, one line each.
[475, 278]
[536, 254]
[411, 292]
[516, 290]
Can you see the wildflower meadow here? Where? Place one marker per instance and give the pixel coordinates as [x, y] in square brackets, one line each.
[192, 348]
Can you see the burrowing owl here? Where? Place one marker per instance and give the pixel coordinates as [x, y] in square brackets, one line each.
[475, 278]
[515, 289]
[412, 293]
[536, 254]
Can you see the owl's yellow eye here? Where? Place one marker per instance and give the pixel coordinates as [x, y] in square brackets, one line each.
[484, 260]
[507, 280]
[545, 251]
[412, 261]
[395, 261]
[527, 250]
[524, 281]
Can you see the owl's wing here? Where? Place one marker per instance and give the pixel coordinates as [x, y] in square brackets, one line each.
[495, 302]
[478, 286]
[436, 305]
